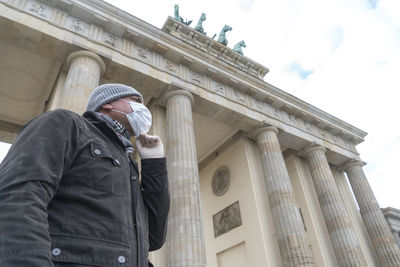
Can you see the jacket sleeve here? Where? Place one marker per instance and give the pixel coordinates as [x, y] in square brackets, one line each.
[156, 198]
[29, 178]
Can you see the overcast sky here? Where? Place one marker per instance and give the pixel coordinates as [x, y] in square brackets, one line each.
[342, 56]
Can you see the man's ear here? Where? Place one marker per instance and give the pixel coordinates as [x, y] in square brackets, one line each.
[107, 107]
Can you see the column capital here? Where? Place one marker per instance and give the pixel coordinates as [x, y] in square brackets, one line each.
[262, 127]
[86, 53]
[164, 99]
[313, 147]
[353, 162]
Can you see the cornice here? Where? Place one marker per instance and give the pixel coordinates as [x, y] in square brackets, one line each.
[109, 26]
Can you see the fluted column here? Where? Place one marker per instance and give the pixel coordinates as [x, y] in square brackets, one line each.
[285, 212]
[386, 249]
[342, 235]
[85, 70]
[185, 239]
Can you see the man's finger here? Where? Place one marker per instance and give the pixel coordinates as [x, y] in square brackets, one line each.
[142, 139]
[146, 139]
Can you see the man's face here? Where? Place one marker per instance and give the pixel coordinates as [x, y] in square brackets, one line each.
[122, 105]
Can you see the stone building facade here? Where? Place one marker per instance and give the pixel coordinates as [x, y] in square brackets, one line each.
[392, 217]
[257, 176]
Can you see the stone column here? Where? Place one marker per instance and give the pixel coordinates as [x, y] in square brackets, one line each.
[386, 249]
[185, 239]
[85, 70]
[285, 212]
[343, 237]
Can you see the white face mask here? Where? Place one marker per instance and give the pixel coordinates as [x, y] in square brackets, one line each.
[139, 119]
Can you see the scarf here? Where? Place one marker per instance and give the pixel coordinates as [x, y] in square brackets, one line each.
[121, 132]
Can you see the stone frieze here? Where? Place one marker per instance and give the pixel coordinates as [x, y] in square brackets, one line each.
[58, 15]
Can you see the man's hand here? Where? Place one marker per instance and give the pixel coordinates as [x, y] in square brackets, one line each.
[150, 146]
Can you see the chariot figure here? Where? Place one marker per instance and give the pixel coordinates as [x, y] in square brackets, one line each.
[179, 18]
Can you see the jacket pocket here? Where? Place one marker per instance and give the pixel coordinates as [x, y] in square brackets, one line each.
[100, 151]
[108, 172]
[89, 251]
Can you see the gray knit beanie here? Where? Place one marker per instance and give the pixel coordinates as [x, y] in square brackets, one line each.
[109, 92]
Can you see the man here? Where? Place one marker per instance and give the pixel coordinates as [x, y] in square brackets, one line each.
[70, 193]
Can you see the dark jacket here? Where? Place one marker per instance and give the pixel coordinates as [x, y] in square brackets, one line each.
[69, 194]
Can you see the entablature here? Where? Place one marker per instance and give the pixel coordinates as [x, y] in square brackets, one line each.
[114, 29]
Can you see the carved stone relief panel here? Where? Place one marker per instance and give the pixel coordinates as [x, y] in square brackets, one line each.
[38, 9]
[221, 181]
[323, 132]
[239, 96]
[112, 40]
[196, 77]
[275, 112]
[293, 120]
[269, 108]
[328, 135]
[284, 116]
[219, 89]
[258, 105]
[340, 141]
[307, 126]
[300, 123]
[227, 219]
[77, 25]
[171, 66]
[143, 53]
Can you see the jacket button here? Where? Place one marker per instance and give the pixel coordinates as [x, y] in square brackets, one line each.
[56, 252]
[121, 259]
[117, 162]
[97, 151]
[133, 177]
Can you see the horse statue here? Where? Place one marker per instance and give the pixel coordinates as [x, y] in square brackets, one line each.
[222, 35]
[179, 18]
[199, 26]
[238, 47]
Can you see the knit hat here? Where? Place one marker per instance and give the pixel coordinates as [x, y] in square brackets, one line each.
[109, 92]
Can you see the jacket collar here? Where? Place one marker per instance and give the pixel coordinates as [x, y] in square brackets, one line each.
[107, 126]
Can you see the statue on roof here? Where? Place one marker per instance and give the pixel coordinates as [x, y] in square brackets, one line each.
[199, 26]
[238, 47]
[179, 18]
[222, 35]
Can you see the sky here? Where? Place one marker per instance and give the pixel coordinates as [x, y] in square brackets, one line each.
[342, 56]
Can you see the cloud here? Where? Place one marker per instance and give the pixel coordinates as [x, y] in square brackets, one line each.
[246, 4]
[299, 70]
[372, 3]
[336, 36]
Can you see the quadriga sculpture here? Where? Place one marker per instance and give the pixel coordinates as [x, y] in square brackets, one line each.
[179, 18]
[222, 35]
[238, 47]
[199, 26]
